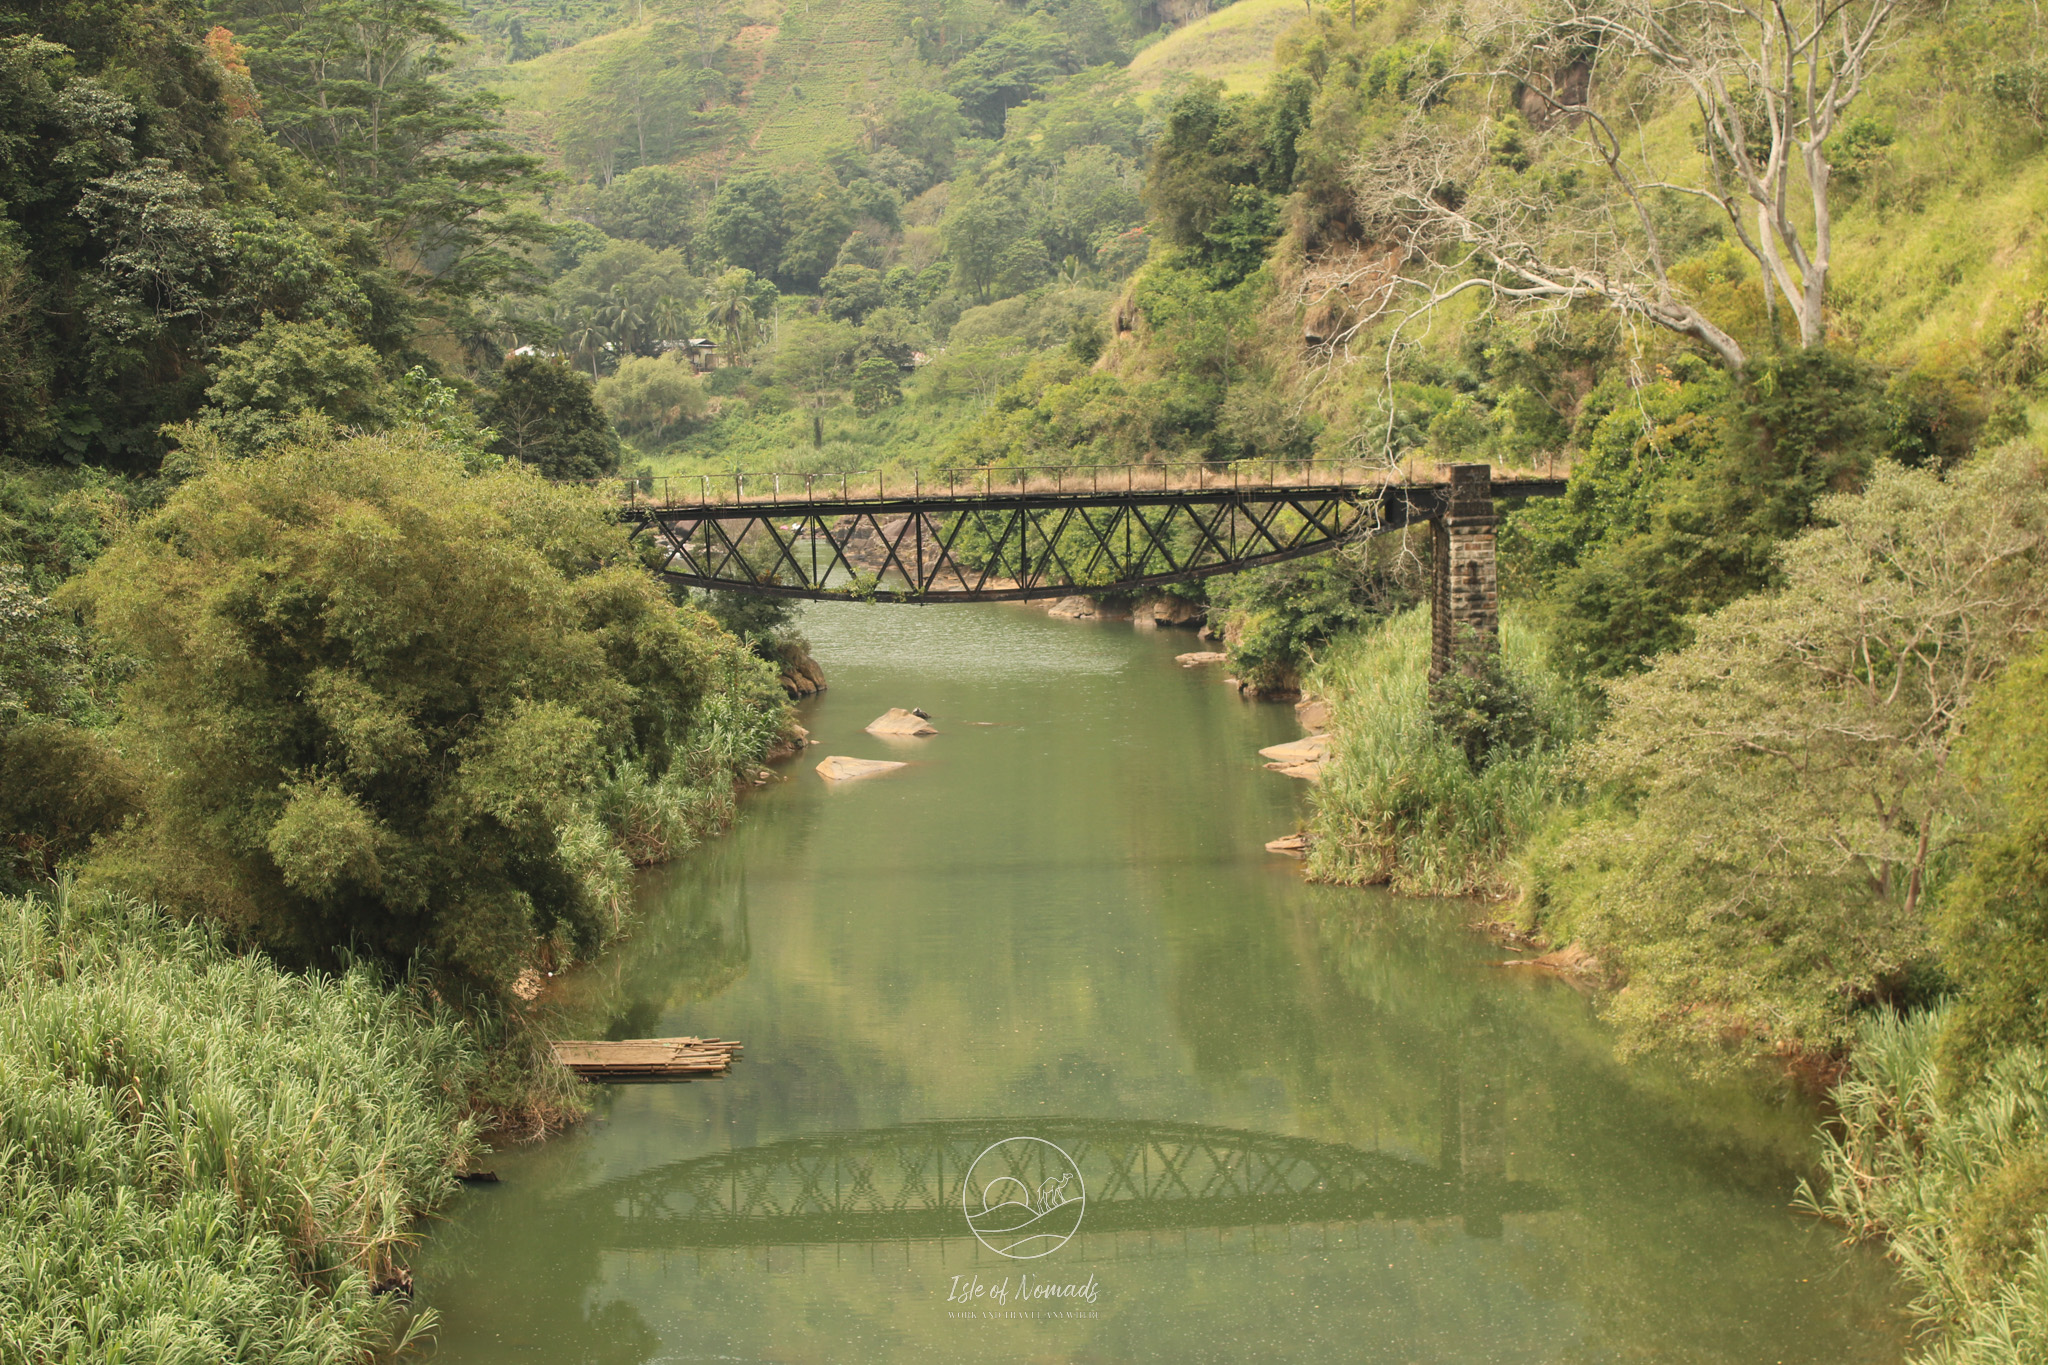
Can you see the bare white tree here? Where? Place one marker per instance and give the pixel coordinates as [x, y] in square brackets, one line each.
[1771, 80]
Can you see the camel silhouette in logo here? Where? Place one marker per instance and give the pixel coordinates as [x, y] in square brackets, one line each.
[1052, 1192]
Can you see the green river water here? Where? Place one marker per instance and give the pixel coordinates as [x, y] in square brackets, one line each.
[1312, 1124]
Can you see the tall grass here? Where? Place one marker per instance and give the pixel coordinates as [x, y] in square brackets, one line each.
[203, 1158]
[1960, 1189]
[1399, 803]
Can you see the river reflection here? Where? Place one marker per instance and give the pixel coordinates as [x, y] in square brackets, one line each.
[1312, 1124]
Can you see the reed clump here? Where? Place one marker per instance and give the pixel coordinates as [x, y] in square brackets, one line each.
[1406, 800]
[1958, 1185]
[203, 1157]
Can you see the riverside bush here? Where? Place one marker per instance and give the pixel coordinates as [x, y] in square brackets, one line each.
[373, 692]
[1780, 793]
[203, 1157]
[1401, 802]
[1960, 1189]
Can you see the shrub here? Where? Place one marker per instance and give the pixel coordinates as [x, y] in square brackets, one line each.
[1783, 786]
[205, 1158]
[1993, 922]
[1960, 1191]
[1402, 801]
[374, 691]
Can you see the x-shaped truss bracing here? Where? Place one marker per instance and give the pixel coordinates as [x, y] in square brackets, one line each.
[1014, 547]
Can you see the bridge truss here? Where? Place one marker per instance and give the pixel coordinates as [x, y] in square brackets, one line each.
[905, 1183]
[998, 545]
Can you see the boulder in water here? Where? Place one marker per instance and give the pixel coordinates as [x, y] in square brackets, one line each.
[1199, 657]
[898, 721]
[839, 768]
[1314, 749]
[1074, 608]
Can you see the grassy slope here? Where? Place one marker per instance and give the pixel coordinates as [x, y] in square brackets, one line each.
[821, 60]
[1233, 45]
[829, 59]
[804, 69]
[1938, 253]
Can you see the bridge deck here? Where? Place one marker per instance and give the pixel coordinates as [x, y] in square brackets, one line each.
[1082, 484]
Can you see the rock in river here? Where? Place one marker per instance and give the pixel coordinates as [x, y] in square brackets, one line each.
[839, 768]
[1073, 608]
[901, 722]
[1303, 758]
[1314, 749]
[1199, 657]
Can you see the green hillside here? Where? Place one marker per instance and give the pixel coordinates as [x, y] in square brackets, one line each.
[1233, 45]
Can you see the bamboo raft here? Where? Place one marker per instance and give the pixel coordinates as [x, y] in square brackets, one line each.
[647, 1059]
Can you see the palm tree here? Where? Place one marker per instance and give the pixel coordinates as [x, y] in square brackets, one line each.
[626, 317]
[732, 317]
[670, 318]
[585, 332]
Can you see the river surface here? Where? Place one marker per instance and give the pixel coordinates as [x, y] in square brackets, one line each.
[1304, 1123]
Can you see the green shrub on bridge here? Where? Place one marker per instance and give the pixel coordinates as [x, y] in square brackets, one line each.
[374, 694]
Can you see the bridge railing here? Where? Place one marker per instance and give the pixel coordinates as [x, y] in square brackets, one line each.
[738, 489]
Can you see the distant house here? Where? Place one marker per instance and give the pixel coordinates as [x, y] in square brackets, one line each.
[701, 352]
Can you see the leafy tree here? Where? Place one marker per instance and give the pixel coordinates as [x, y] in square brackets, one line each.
[656, 205]
[1009, 67]
[851, 292]
[1993, 923]
[815, 360]
[1091, 199]
[742, 306]
[624, 299]
[354, 86]
[652, 394]
[1784, 783]
[61, 783]
[925, 126]
[747, 222]
[1209, 184]
[1688, 515]
[980, 230]
[877, 384]
[1281, 615]
[1097, 108]
[289, 370]
[114, 253]
[547, 416]
[819, 215]
[373, 688]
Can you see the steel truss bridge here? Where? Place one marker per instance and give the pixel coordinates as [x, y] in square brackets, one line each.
[1013, 534]
[904, 1183]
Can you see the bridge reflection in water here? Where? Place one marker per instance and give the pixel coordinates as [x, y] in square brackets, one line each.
[903, 1184]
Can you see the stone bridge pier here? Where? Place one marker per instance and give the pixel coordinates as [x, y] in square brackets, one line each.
[1464, 606]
